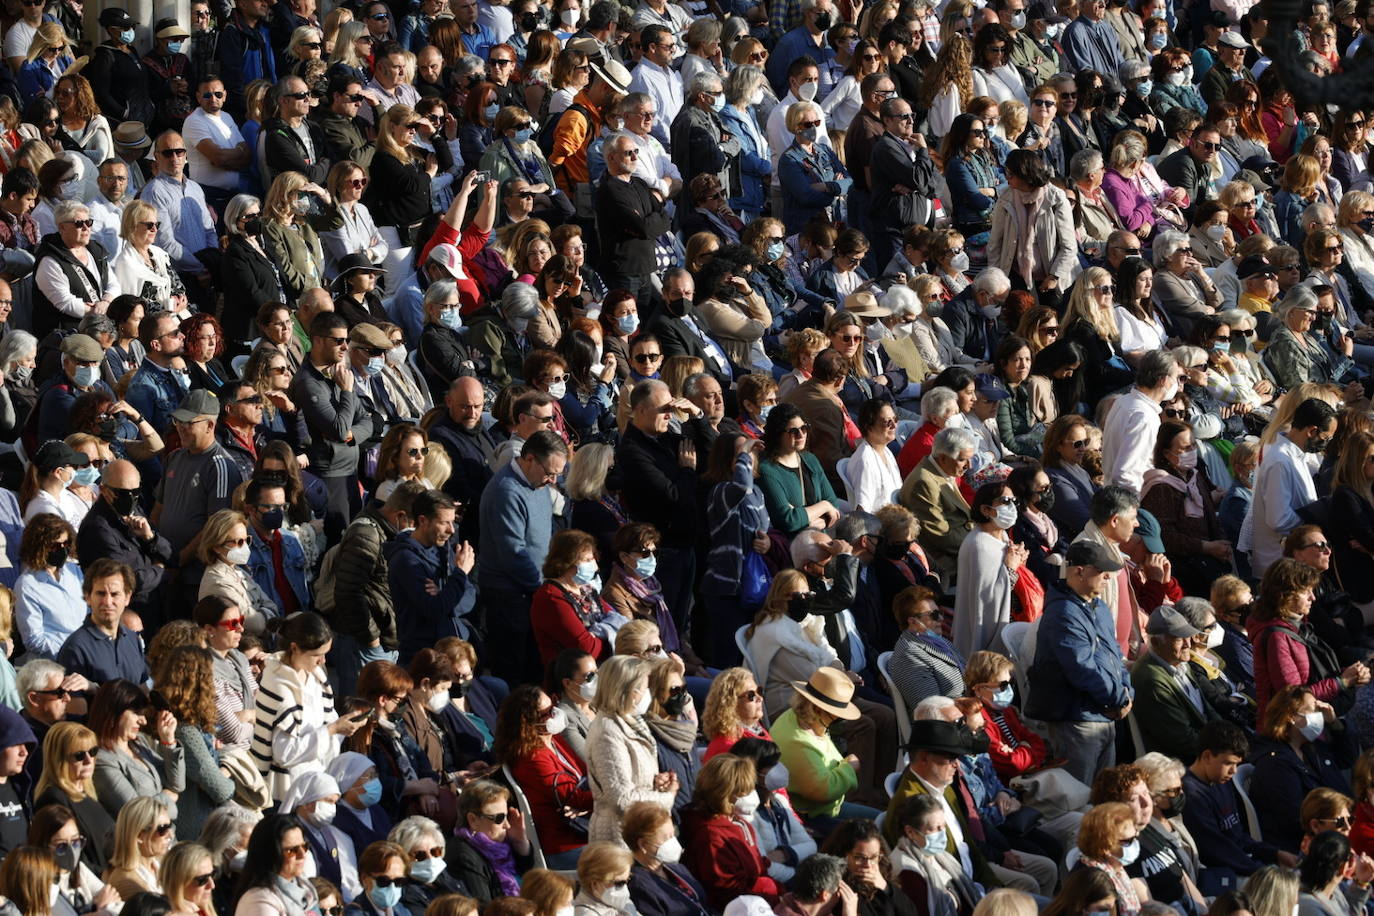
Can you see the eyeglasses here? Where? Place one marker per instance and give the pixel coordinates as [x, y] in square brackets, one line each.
[497, 818]
[1343, 822]
[849, 338]
[82, 756]
[1005, 501]
[1051, 331]
[234, 623]
[799, 431]
[1209, 146]
[337, 341]
[314, 45]
[81, 223]
[749, 696]
[1043, 103]
[1079, 443]
[57, 693]
[501, 61]
[646, 357]
[298, 851]
[419, 855]
[417, 452]
[172, 153]
[1317, 545]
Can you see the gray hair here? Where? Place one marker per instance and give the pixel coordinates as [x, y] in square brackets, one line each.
[691, 386]
[1314, 62]
[1111, 501]
[808, 545]
[1196, 611]
[36, 674]
[902, 301]
[939, 402]
[633, 102]
[932, 708]
[1084, 163]
[992, 280]
[1300, 296]
[1155, 367]
[857, 524]
[95, 323]
[1237, 318]
[951, 441]
[818, 874]
[1318, 213]
[742, 81]
[68, 209]
[1167, 245]
[234, 210]
[702, 31]
[520, 300]
[440, 290]
[1188, 355]
[16, 345]
[413, 830]
[1132, 69]
[702, 82]
[807, 5]
[468, 65]
[1157, 768]
[222, 829]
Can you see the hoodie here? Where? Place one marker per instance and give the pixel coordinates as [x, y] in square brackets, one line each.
[14, 791]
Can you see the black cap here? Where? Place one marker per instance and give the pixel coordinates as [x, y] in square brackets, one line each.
[1253, 264]
[55, 454]
[1091, 553]
[114, 17]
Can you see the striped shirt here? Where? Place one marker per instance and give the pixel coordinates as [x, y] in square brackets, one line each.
[291, 728]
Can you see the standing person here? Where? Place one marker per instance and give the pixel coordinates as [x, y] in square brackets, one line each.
[989, 564]
[420, 559]
[186, 227]
[1079, 681]
[517, 524]
[336, 417]
[117, 74]
[1128, 436]
[901, 176]
[655, 77]
[630, 217]
[1284, 484]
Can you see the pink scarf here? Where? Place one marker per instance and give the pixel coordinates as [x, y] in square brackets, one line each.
[1025, 207]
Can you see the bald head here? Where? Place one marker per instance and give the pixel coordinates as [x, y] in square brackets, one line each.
[120, 474]
[311, 303]
[465, 401]
[429, 64]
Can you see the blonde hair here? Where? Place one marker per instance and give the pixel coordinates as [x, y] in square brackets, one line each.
[635, 637]
[135, 212]
[547, 890]
[1006, 901]
[438, 467]
[135, 818]
[1014, 117]
[277, 204]
[386, 143]
[1288, 404]
[953, 65]
[587, 471]
[48, 35]
[58, 744]
[1083, 304]
[616, 683]
[720, 717]
[6, 613]
[599, 863]
[345, 35]
[216, 532]
[178, 869]
[1301, 174]
[1273, 890]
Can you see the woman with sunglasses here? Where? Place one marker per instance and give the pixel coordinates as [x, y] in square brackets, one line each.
[129, 764]
[843, 102]
[55, 828]
[66, 785]
[796, 491]
[531, 741]
[274, 882]
[973, 177]
[346, 182]
[401, 457]
[672, 719]
[810, 173]
[1349, 146]
[989, 564]
[1066, 445]
[1090, 322]
[491, 849]
[143, 833]
[142, 267]
[733, 711]
[603, 878]
[48, 56]
[187, 876]
[425, 846]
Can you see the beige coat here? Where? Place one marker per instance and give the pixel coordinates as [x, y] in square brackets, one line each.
[736, 324]
[943, 513]
[234, 584]
[1055, 239]
[622, 761]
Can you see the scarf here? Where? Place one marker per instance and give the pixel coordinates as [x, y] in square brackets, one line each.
[498, 855]
[297, 896]
[1192, 495]
[943, 646]
[1128, 903]
[948, 890]
[678, 734]
[529, 164]
[1025, 207]
[649, 591]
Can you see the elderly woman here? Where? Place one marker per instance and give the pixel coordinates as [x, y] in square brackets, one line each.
[722, 848]
[1351, 218]
[496, 333]
[1178, 492]
[142, 268]
[1212, 240]
[313, 797]
[1066, 444]
[940, 404]
[810, 173]
[1167, 862]
[249, 277]
[73, 275]
[223, 549]
[1181, 285]
[1109, 842]
[425, 845]
[1093, 213]
[741, 87]
[1296, 355]
[442, 353]
[924, 664]
[989, 564]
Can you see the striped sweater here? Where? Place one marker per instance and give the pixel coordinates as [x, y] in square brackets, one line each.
[291, 728]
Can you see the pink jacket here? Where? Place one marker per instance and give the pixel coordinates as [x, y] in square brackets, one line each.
[1281, 660]
[1134, 208]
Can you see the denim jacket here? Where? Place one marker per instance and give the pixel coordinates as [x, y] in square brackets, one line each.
[293, 564]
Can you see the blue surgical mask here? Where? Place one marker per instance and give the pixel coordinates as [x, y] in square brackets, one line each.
[628, 324]
[646, 567]
[174, 47]
[426, 871]
[936, 842]
[718, 101]
[87, 475]
[776, 250]
[586, 572]
[85, 376]
[1129, 853]
[1144, 88]
[127, 36]
[451, 318]
[375, 364]
[1002, 698]
[1158, 40]
[385, 897]
[491, 111]
[372, 792]
[524, 135]
[182, 378]
[765, 410]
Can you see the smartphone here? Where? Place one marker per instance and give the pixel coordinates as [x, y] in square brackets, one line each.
[362, 716]
[483, 177]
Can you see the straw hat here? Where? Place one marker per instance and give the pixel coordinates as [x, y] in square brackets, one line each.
[831, 690]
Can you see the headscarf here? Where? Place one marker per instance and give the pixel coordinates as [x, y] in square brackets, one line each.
[346, 768]
[306, 788]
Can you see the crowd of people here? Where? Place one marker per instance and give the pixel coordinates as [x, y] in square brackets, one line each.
[698, 458]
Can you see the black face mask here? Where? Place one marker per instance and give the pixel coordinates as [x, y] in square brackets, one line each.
[1175, 807]
[798, 607]
[677, 704]
[676, 307]
[894, 551]
[1323, 321]
[615, 480]
[124, 501]
[253, 227]
[824, 20]
[460, 688]
[1318, 444]
[272, 519]
[57, 557]
[529, 21]
[1045, 500]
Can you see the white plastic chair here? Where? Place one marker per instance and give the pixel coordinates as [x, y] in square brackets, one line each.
[1244, 772]
[237, 364]
[743, 645]
[1014, 640]
[523, 806]
[898, 704]
[842, 468]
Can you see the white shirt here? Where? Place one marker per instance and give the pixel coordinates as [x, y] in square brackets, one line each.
[18, 39]
[780, 138]
[665, 88]
[952, 825]
[654, 164]
[498, 19]
[1002, 84]
[873, 477]
[220, 130]
[1128, 439]
[1137, 334]
[70, 507]
[1283, 484]
[107, 217]
[843, 102]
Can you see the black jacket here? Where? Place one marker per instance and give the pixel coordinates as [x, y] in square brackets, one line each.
[658, 489]
[467, 865]
[678, 340]
[120, 82]
[284, 151]
[248, 280]
[104, 534]
[890, 165]
[972, 333]
[469, 453]
[629, 218]
[443, 357]
[1182, 170]
[344, 138]
[363, 607]
[399, 192]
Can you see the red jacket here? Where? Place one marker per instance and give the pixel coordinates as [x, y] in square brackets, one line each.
[1017, 750]
[721, 744]
[1362, 831]
[724, 855]
[1281, 660]
[469, 243]
[550, 781]
[557, 626]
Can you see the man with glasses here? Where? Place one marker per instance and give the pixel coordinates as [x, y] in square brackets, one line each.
[654, 165]
[116, 528]
[367, 349]
[1191, 167]
[198, 481]
[655, 78]
[245, 52]
[1024, 54]
[238, 432]
[45, 692]
[533, 411]
[186, 227]
[153, 391]
[107, 208]
[1229, 67]
[215, 149]
[1090, 42]
[276, 559]
[517, 202]
[338, 422]
[102, 648]
[700, 144]
[517, 523]
[902, 175]
[343, 130]
[291, 142]
[20, 33]
[630, 217]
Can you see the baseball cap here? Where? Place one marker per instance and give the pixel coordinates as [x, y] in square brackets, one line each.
[55, 454]
[113, 16]
[449, 258]
[1147, 527]
[1091, 553]
[1253, 264]
[197, 403]
[990, 387]
[1165, 621]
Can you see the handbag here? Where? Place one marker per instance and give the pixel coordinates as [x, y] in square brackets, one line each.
[250, 789]
[1053, 792]
[1029, 595]
[755, 580]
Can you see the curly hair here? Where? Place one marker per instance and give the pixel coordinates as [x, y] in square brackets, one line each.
[519, 725]
[83, 103]
[194, 324]
[954, 64]
[1283, 581]
[187, 682]
[41, 535]
[169, 637]
[1115, 783]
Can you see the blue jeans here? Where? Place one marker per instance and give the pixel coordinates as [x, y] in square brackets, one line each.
[348, 656]
[822, 825]
[563, 861]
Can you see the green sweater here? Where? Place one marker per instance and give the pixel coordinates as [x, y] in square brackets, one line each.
[782, 492]
[818, 777]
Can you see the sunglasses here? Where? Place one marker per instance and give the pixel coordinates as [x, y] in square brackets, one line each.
[81, 223]
[357, 183]
[498, 818]
[173, 153]
[419, 855]
[204, 880]
[1043, 103]
[298, 96]
[313, 45]
[57, 693]
[214, 95]
[750, 696]
[154, 224]
[162, 829]
[234, 623]
[417, 452]
[82, 756]
[298, 851]
[1317, 545]
[647, 357]
[799, 431]
[379, 17]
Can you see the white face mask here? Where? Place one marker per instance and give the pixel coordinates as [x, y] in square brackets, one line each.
[587, 690]
[1188, 460]
[617, 898]
[670, 852]
[557, 390]
[438, 701]
[1172, 391]
[237, 556]
[323, 815]
[1005, 517]
[807, 91]
[746, 806]
[557, 722]
[1216, 232]
[568, 18]
[396, 355]
[642, 704]
[756, 98]
[1215, 636]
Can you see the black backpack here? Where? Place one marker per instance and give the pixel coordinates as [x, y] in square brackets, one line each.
[546, 130]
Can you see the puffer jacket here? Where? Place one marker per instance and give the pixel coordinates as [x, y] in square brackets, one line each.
[362, 605]
[622, 760]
